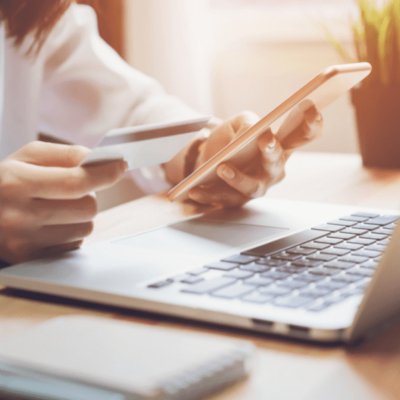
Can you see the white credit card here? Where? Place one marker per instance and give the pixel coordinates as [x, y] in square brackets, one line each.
[145, 145]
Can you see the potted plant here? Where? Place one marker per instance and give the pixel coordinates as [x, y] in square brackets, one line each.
[376, 100]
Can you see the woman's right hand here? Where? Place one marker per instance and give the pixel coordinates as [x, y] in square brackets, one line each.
[46, 205]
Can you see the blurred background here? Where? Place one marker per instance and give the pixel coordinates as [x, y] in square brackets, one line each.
[225, 56]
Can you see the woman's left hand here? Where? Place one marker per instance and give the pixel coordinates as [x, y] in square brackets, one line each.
[236, 187]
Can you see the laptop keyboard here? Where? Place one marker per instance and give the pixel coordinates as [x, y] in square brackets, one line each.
[312, 269]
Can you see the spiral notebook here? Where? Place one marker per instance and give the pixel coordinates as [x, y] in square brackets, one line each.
[96, 358]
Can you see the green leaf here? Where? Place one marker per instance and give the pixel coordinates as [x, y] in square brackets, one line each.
[338, 46]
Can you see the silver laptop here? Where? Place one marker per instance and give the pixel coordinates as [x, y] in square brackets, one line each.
[318, 272]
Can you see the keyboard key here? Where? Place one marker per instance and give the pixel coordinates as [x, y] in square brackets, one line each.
[362, 286]
[315, 246]
[328, 228]
[364, 214]
[361, 241]
[272, 262]
[192, 279]
[309, 278]
[220, 265]
[321, 257]
[274, 291]
[383, 231]
[367, 226]
[352, 231]
[239, 274]
[367, 253]
[383, 219]
[314, 293]
[391, 226]
[336, 299]
[286, 256]
[361, 271]
[160, 284]
[306, 263]
[292, 302]
[232, 291]
[209, 285]
[376, 247]
[349, 246]
[240, 259]
[329, 241]
[275, 275]
[340, 264]
[285, 243]
[384, 242]
[369, 264]
[198, 271]
[353, 259]
[317, 306]
[301, 251]
[324, 271]
[342, 222]
[354, 218]
[256, 297]
[294, 284]
[374, 236]
[331, 285]
[336, 252]
[346, 278]
[352, 291]
[258, 281]
[255, 267]
[343, 236]
[292, 269]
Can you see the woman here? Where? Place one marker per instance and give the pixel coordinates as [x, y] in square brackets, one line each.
[59, 77]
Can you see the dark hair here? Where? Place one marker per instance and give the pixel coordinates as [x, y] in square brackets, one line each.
[38, 17]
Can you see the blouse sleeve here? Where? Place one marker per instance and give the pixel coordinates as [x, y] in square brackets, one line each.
[88, 89]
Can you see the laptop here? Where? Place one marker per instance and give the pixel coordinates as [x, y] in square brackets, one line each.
[319, 272]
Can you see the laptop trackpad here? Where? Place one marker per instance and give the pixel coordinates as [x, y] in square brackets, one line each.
[121, 265]
[201, 238]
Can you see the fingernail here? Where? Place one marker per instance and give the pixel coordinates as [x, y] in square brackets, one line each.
[193, 194]
[227, 172]
[312, 115]
[271, 145]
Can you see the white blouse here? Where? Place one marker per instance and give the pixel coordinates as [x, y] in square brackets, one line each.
[78, 88]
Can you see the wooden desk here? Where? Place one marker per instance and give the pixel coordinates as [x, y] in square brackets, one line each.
[333, 178]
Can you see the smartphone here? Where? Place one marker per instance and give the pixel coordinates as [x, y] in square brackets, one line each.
[320, 91]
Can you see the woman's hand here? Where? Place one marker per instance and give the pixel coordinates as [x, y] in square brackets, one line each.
[236, 187]
[45, 202]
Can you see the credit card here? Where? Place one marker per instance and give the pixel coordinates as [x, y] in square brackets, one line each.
[145, 145]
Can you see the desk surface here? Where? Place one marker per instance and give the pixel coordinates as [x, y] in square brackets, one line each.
[330, 178]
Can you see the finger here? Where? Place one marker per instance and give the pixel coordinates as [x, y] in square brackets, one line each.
[222, 135]
[62, 183]
[221, 194]
[309, 130]
[249, 186]
[243, 121]
[55, 250]
[59, 212]
[270, 148]
[273, 159]
[51, 155]
[29, 217]
[53, 235]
